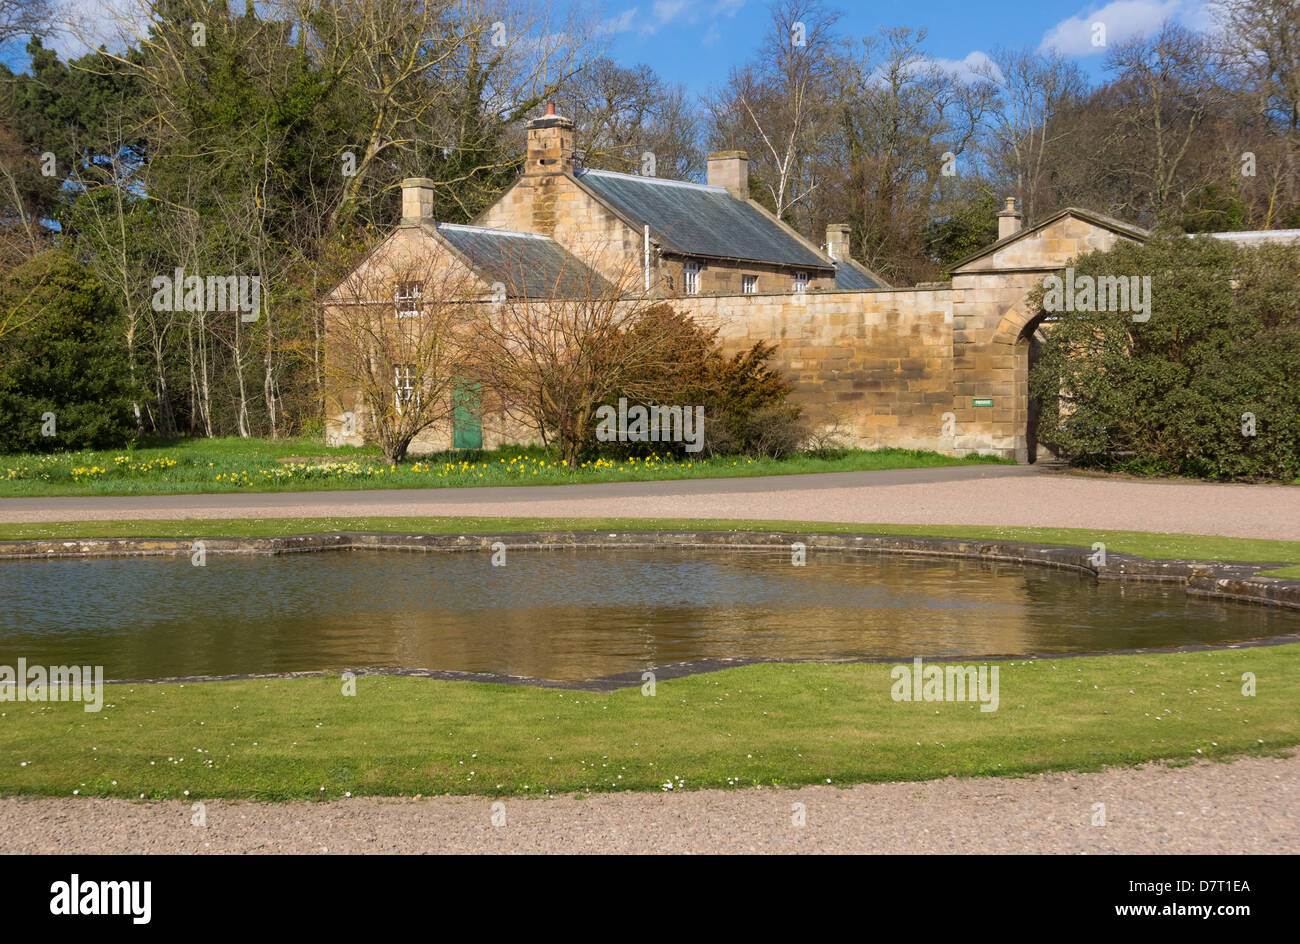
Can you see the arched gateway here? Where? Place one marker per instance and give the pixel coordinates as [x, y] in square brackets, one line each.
[995, 337]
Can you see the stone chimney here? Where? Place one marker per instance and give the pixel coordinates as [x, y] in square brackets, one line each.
[550, 144]
[417, 199]
[1009, 220]
[837, 241]
[730, 170]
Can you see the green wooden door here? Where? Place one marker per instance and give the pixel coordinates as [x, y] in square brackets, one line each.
[467, 415]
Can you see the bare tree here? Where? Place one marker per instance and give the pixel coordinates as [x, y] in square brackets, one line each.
[395, 336]
[1168, 87]
[19, 18]
[623, 113]
[778, 107]
[1033, 88]
[905, 121]
[1262, 41]
[549, 362]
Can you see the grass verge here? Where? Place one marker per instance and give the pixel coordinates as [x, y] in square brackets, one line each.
[786, 725]
[246, 465]
[1142, 543]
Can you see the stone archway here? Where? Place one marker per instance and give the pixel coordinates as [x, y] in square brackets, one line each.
[1031, 341]
[1021, 331]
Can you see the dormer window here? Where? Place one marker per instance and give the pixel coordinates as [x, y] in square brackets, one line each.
[408, 299]
[691, 278]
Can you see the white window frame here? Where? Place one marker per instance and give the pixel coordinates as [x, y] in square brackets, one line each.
[749, 284]
[691, 278]
[801, 282]
[405, 389]
[409, 303]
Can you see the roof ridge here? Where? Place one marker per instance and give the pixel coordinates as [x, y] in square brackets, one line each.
[490, 229]
[1085, 213]
[664, 181]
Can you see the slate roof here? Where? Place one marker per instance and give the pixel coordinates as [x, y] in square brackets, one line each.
[849, 276]
[529, 265]
[697, 220]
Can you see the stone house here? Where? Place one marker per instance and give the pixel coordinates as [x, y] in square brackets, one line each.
[942, 367]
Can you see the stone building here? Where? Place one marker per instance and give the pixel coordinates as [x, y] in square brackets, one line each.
[942, 367]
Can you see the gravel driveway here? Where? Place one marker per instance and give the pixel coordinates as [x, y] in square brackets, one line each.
[1251, 805]
[1006, 496]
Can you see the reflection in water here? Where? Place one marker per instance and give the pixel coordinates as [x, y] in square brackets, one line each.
[575, 614]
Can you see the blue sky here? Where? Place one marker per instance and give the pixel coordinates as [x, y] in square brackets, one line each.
[696, 42]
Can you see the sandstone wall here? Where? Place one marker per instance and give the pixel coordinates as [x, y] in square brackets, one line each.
[875, 366]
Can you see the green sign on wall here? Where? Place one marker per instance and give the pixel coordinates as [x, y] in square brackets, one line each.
[981, 401]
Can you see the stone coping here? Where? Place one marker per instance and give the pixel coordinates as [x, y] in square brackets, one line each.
[1225, 580]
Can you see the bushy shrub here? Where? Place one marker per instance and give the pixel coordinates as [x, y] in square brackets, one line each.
[1205, 387]
[61, 353]
[744, 399]
[773, 431]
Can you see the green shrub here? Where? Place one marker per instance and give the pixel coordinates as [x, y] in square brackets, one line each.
[744, 400]
[61, 354]
[1172, 394]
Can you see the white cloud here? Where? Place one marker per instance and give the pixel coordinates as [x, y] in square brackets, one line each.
[965, 69]
[728, 7]
[621, 23]
[1199, 16]
[668, 10]
[1123, 19]
[84, 25]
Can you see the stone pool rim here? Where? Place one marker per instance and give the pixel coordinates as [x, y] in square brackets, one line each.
[1234, 581]
[1238, 581]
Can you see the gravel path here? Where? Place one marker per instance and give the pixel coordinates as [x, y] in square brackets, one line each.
[994, 496]
[1251, 805]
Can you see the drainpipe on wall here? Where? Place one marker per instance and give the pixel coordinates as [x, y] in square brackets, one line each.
[646, 265]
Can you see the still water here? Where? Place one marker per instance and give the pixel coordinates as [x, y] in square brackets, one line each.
[575, 614]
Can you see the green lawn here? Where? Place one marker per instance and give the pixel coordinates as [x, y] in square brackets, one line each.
[1141, 543]
[242, 465]
[757, 725]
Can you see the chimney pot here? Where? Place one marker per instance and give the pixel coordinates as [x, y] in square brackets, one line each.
[417, 199]
[1009, 220]
[837, 241]
[550, 144]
